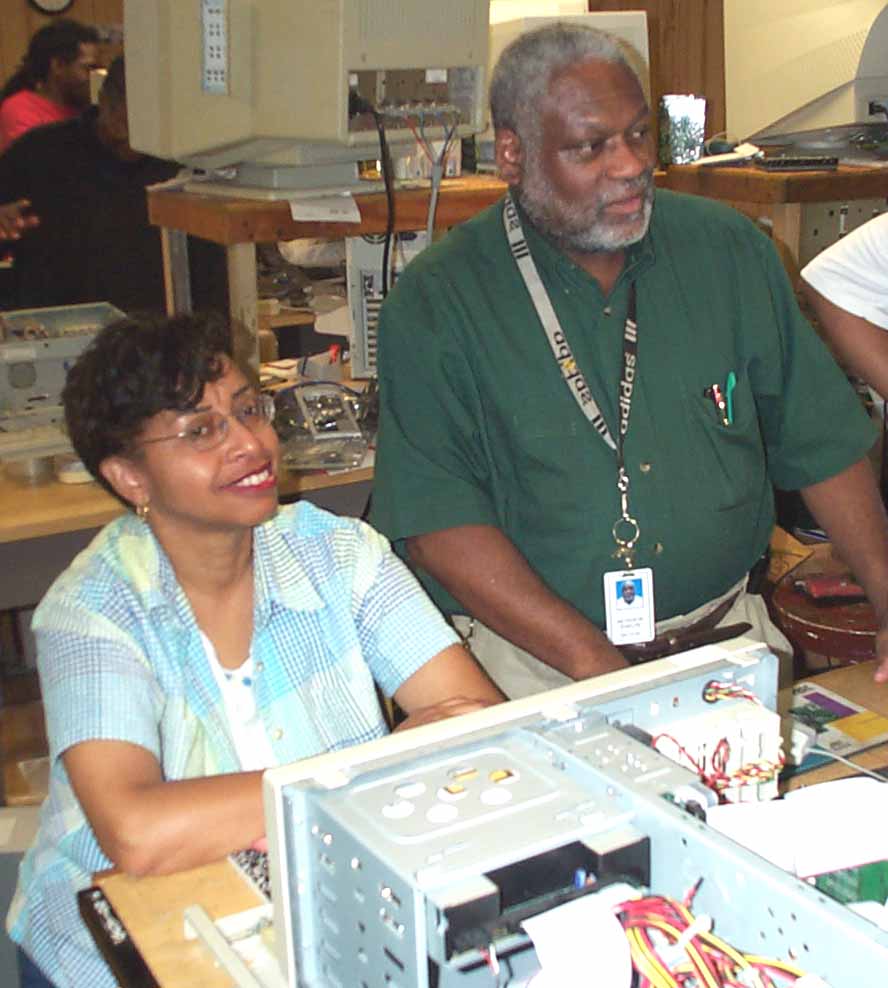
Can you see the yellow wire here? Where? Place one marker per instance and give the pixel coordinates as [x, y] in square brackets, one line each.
[790, 969]
[648, 963]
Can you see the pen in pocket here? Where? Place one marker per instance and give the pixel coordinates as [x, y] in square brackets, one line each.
[716, 395]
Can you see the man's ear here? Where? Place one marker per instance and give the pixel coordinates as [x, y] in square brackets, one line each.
[509, 156]
[126, 478]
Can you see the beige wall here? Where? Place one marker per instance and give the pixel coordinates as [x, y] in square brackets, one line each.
[19, 20]
[687, 48]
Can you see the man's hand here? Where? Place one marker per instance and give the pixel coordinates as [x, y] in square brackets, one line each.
[15, 219]
[451, 707]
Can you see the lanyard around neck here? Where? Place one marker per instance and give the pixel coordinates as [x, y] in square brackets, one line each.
[574, 377]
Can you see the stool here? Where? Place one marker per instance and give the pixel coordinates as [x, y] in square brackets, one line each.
[842, 634]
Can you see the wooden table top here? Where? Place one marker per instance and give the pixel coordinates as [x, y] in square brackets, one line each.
[23, 753]
[855, 683]
[152, 910]
[29, 511]
[231, 220]
[750, 184]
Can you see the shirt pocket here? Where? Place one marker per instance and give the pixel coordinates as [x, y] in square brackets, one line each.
[732, 468]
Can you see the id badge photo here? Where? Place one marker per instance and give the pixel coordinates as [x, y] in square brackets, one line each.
[629, 606]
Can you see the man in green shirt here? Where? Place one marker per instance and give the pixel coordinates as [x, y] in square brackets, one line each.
[598, 367]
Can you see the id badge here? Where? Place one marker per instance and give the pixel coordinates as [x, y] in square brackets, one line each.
[629, 606]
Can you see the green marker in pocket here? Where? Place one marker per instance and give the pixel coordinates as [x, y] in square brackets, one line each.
[730, 384]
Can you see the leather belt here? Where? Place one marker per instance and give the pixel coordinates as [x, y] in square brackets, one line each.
[700, 632]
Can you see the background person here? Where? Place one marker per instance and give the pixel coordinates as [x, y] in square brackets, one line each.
[847, 288]
[78, 188]
[202, 637]
[492, 470]
[52, 83]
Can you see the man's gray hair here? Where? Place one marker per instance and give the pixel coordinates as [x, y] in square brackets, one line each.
[526, 66]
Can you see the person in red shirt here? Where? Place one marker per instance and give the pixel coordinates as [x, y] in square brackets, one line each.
[52, 83]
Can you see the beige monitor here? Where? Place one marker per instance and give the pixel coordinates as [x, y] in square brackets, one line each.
[216, 83]
[803, 65]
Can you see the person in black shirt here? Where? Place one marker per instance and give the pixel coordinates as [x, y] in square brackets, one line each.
[75, 211]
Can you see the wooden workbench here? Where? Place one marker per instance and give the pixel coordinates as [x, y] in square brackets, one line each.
[239, 224]
[855, 683]
[29, 511]
[781, 199]
[152, 911]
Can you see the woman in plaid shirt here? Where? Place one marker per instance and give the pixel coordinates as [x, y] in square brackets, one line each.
[202, 637]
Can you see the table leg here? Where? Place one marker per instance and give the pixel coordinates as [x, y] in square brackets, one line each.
[787, 235]
[243, 296]
[176, 273]
[783, 222]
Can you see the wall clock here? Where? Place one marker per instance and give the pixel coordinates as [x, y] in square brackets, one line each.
[51, 6]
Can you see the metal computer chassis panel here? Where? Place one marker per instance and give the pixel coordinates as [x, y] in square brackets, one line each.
[373, 867]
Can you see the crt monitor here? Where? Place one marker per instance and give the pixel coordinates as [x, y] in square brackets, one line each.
[805, 65]
[260, 86]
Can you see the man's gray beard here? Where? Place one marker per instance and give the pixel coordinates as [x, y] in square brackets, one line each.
[578, 231]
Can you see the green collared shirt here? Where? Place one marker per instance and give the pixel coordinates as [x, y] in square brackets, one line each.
[478, 427]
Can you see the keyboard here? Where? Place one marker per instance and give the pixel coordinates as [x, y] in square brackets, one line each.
[798, 163]
[35, 440]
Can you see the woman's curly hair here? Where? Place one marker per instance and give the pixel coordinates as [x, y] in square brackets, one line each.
[133, 369]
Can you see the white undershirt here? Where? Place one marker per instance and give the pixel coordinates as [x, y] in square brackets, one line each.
[244, 723]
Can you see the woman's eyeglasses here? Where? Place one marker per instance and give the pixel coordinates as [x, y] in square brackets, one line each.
[207, 430]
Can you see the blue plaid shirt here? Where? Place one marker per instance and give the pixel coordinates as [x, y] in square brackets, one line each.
[120, 658]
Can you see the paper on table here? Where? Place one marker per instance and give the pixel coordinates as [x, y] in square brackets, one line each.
[576, 939]
[331, 209]
[806, 832]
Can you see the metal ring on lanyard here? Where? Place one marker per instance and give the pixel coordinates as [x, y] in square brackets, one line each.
[625, 546]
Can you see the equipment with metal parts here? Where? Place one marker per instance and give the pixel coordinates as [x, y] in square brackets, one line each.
[412, 860]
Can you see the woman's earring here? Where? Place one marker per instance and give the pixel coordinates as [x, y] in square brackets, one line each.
[142, 511]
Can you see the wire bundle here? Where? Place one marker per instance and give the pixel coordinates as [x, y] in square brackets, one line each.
[715, 775]
[425, 144]
[670, 948]
[714, 691]
[438, 163]
[437, 173]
